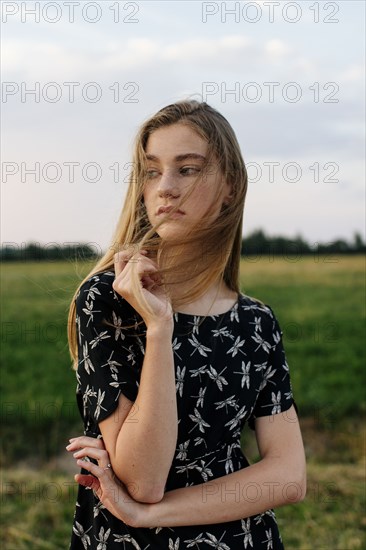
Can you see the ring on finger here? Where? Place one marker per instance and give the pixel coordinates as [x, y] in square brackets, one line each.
[108, 467]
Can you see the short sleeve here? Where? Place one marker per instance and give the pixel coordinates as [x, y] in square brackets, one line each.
[275, 392]
[109, 350]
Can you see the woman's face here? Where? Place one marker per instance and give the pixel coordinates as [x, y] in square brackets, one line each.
[175, 159]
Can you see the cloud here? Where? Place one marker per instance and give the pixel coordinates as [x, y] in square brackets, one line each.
[353, 73]
[276, 48]
[199, 49]
[48, 60]
[42, 60]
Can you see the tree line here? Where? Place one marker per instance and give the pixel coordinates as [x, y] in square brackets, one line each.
[257, 243]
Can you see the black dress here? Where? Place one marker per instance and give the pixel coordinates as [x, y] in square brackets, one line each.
[230, 369]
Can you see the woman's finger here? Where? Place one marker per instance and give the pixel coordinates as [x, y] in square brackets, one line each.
[85, 441]
[97, 471]
[99, 454]
[88, 481]
[144, 268]
[121, 259]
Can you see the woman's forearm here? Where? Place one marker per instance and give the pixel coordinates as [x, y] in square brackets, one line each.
[147, 439]
[250, 491]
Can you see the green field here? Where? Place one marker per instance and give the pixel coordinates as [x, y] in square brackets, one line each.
[320, 304]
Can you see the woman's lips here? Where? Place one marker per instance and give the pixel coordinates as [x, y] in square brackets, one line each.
[162, 210]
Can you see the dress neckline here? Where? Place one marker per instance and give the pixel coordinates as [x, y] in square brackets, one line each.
[179, 314]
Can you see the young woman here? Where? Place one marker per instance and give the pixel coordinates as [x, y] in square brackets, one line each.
[172, 360]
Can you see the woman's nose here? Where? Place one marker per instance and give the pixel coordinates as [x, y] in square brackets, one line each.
[168, 186]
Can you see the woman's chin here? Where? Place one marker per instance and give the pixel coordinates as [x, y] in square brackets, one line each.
[171, 234]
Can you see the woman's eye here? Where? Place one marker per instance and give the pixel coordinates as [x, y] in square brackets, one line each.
[151, 174]
[189, 170]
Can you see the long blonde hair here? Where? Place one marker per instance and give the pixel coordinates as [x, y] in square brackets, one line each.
[217, 246]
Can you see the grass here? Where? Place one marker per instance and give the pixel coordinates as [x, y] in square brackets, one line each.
[39, 385]
[320, 304]
[37, 510]
[331, 517]
[319, 301]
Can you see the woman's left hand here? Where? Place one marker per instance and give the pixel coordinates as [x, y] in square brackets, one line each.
[107, 487]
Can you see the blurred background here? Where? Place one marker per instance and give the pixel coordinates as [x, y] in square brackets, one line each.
[78, 79]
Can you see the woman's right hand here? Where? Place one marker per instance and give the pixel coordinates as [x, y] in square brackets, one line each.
[106, 486]
[150, 284]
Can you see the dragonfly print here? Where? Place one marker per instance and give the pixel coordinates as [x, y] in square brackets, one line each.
[248, 539]
[228, 402]
[257, 324]
[199, 371]
[183, 449]
[176, 345]
[117, 322]
[99, 337]
[220, 380]
[237, 419]
[198, 420]
[194, 543]
[89, 311]
[222, 333]
[229, 467]
[236, 347]
[262, 343]
[245, 372]
[180, 380]
[174, 545]
[198, 346]
[99, 407]
[200, 397]
[234, 314]
[79, 532]
[195, 324]
[211, 540]
[130, 539]
[112, 364]
[276, 401]
[229, 369]
[269, 540]
[103, 538]
[93, 291]
[89, 392]
[268, 374]
[88, 365]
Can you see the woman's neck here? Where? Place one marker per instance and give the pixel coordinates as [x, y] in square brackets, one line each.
[217, 299]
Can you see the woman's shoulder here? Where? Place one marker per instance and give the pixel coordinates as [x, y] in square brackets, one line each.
[247, 302]
[96, 294]
[98, 287]
[101, 281]
[257, 309]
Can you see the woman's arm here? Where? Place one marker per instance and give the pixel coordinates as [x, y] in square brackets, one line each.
[141, 445]
[140, 436]
[278, 478]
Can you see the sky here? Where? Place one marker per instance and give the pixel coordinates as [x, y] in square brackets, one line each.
[78, 79]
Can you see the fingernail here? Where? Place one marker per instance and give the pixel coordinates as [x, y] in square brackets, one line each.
[72, 439]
